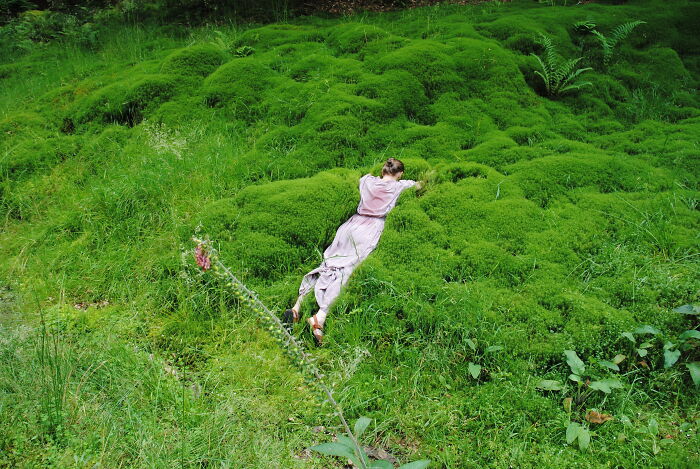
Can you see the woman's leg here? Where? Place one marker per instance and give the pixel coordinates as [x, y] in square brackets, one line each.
[307, 285]
[328, 289]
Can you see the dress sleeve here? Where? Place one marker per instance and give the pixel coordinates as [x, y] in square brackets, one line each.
[405, 184]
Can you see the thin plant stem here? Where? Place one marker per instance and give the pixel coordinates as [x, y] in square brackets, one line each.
[296, 350]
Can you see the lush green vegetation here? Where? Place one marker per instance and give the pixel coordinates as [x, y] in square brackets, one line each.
[549, 224]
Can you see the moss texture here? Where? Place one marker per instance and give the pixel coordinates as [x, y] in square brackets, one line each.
[547, 224]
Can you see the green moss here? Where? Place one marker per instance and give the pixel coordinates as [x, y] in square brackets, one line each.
[278, 34]
[275, 228]
[494, 145]
[430, 62]
[238, 85]
[543, 178]
[199, 60]
[126, 102]
[399, 92]
[29, 156]
[661, 66]
[352, 37]
[484, 67]
[22, 124]
[546, 224]
[316, 66]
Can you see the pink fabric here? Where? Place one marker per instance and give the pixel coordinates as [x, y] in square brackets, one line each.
[354, 240]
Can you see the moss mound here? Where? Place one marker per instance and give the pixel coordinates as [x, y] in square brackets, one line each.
[199, 60]
[548, 223]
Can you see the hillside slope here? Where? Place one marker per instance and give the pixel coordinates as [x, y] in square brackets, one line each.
[548, 224]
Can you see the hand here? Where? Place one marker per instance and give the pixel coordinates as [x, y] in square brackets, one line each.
[429, 175]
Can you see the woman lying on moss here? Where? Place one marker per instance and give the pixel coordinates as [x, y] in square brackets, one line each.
[354, 241]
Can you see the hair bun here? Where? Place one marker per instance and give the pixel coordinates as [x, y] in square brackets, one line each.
[392, 166]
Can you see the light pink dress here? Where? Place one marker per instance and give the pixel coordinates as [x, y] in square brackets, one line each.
[354, 240]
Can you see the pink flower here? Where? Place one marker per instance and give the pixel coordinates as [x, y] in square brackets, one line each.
[202, 257]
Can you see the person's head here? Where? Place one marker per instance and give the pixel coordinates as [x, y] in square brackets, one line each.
[393, 168]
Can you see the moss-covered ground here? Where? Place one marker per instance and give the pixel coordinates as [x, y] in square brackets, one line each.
[548, 224]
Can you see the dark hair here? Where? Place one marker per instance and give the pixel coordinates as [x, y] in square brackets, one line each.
[392, 167]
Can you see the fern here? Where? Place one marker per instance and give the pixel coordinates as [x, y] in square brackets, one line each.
[618, 34]
[585, 26]
[557, 73]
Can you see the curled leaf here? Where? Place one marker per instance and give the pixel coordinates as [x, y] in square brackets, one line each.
[567, 404]
[596, 417]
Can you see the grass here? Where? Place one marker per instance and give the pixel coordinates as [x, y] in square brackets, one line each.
[549, 225]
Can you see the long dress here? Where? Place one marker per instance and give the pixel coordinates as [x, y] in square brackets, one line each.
[354, 240]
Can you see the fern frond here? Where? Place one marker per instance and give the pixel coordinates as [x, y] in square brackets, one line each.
[575, 86]
[605, 45]
[546, 75]
[565, 83]
[550, 52]
[566, 68]
[585, 26]
[623, 31]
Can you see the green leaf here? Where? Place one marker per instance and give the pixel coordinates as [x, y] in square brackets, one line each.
[575, 363]
[334, 449]
[381, 464]
[694, 369]
[688, 309]
[584, 438]
[423, 463]
[691, 334]
[360, 426]
[474, 370]
[646, 329]
[493, 348]
[619, 358]
[576, 378]
[671, 357]
[572, 432]
[629, 336]
[642, 352]
[610, 365]
[653, 427]
[600, 386]
[606, 385]
[645, 345]
[550, 385]
[471, 344]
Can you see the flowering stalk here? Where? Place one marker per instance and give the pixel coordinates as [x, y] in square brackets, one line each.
[207, 258]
